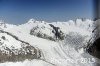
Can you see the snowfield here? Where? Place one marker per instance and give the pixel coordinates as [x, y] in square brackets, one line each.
[27, 63]
[54, 50]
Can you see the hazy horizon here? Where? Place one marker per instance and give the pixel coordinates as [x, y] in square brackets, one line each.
[20, 11]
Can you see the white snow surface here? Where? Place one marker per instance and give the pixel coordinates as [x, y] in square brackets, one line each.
[54, 53]
[27, 63]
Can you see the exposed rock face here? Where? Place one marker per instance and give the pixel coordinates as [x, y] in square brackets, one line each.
[58, 33]
[94, 49]
[94, 44]
[14, 49]
[53, 33]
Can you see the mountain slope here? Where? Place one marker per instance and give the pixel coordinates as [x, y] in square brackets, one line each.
[56, 52]
[14, 49]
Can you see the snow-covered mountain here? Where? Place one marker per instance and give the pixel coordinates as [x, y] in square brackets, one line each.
[49, 44]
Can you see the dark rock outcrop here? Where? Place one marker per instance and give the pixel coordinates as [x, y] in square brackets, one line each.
[94, 49]
[58, 33]
[55, 33]
[13, 54]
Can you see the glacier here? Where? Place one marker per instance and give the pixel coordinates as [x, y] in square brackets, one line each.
[54, 51]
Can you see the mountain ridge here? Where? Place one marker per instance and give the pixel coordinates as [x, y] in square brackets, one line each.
[78, 31]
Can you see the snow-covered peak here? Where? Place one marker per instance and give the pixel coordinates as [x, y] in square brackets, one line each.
[83, 27]
[35, 21]
[81, 23]
[2, 24]
[76, 33]
[31, 20]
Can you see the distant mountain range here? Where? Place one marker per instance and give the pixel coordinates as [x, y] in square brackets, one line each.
[45, 41]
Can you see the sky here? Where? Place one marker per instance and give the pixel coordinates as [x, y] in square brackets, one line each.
[20, 11]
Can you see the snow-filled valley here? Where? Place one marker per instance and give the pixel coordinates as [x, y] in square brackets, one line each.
[39, 43]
